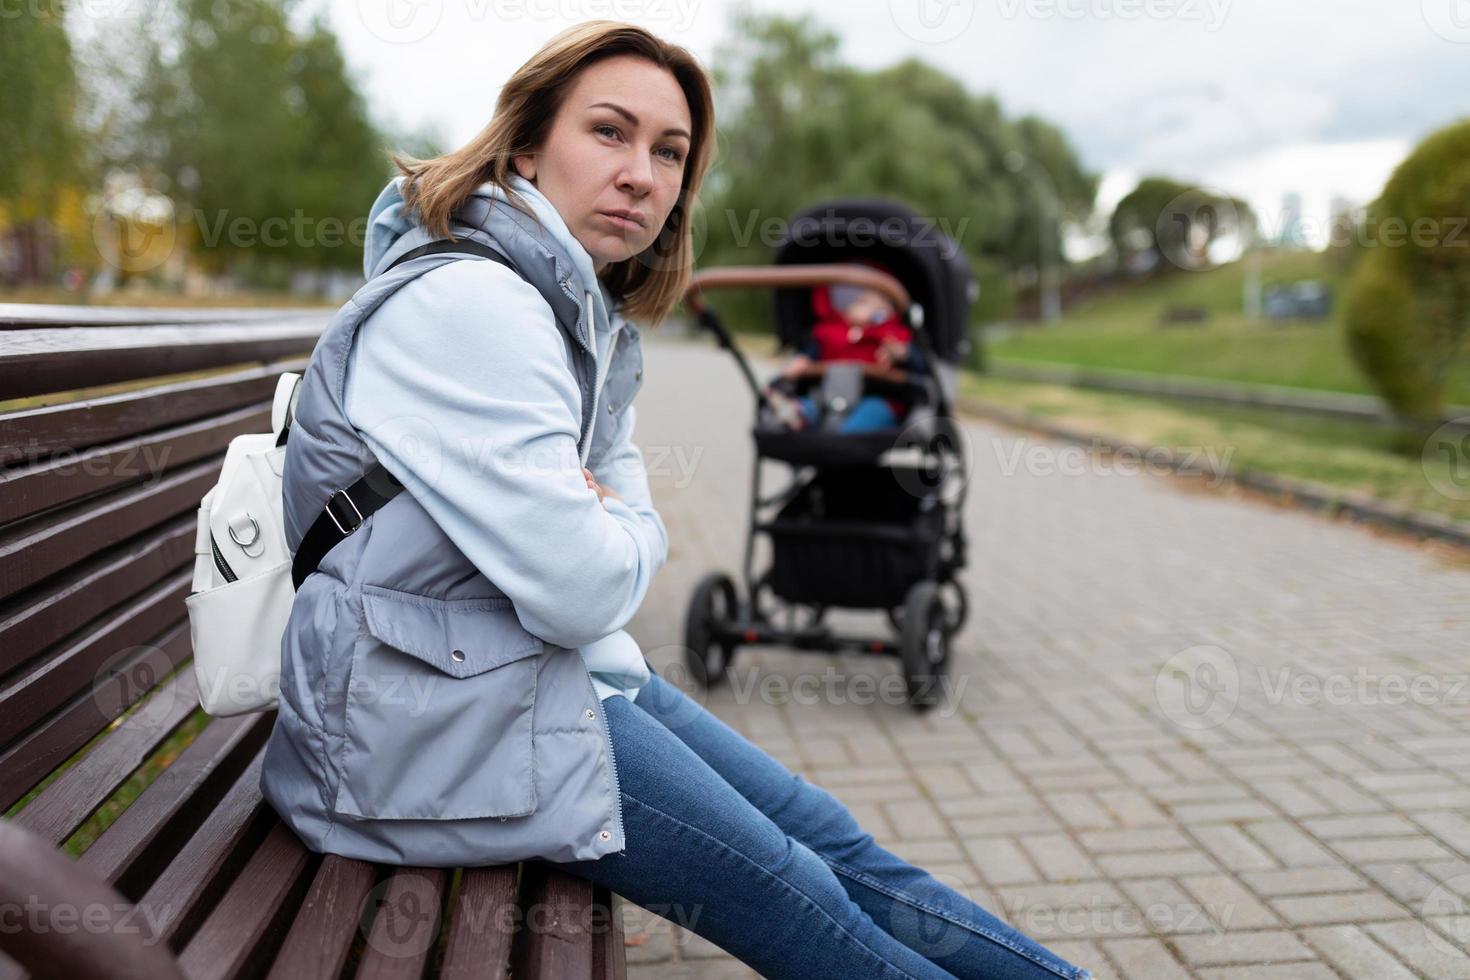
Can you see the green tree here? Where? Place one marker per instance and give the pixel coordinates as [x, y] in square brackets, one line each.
[799, 126]
[260, 135]
[40, 149]
[1408, 304]
[1174, 225]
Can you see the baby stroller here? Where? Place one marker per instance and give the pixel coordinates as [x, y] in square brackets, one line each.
[869, 520]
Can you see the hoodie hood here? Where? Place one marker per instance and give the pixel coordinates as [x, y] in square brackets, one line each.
[394, 229]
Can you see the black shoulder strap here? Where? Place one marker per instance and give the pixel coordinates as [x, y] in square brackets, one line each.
[347, 509]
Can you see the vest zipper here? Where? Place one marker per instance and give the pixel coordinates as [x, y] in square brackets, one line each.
[612, 762]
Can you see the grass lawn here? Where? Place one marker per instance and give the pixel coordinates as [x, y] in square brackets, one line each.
[1344, 455]
[1122, 331]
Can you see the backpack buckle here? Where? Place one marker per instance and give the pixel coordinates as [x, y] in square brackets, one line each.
[333, 514]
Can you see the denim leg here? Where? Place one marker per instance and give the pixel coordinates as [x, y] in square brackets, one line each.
[699, 854]
[934, 920]
[869, 414]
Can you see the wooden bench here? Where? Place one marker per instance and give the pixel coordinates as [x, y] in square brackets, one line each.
[114, 426]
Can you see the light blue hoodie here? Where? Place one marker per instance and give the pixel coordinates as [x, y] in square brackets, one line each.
[473, 406]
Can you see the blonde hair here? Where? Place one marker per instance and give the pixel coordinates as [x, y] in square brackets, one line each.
[650, 283]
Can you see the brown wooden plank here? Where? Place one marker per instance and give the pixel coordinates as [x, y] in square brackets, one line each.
[187, 890]
[112, 942]
[83, 422]
[42, 749]
[481, 924]
[138, 845]
[92, 658]
[243, 931]
[555, 940]
[34, 622]
[28, 490]
[406, 910]
[35, 362]
[14, 315]
[323, 930]
[61, 808]
[33, 549]
[609, 953]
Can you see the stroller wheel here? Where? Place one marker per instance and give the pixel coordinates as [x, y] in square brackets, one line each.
[711, 607]
[924, 646]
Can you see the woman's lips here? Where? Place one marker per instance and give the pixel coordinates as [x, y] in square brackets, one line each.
[620, 221]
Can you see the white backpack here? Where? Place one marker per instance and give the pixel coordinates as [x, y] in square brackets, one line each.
[242, 590]
[245, 577]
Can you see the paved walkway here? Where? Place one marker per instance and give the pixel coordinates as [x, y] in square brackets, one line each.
[1191, 736]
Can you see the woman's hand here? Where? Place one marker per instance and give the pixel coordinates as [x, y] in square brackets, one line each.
[601, 491]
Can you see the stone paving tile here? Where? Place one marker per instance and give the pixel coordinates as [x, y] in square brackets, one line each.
[1300, 836]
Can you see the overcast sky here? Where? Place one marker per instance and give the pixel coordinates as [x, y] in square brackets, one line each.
[1256, 97]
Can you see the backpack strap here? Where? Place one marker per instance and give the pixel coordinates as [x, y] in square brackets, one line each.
[346, 510]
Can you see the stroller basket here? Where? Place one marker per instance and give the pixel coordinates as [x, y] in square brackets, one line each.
[857, 537]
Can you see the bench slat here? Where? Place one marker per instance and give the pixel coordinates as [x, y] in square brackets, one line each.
[37, 432]
[118, 947]
[402, 936]
[60, 315]
[479, 930]
[34, 549]
[242, 931]
[32, 696]
[48, 483]
[323, 931]
[90, 589]
[139, 844]
[187, 889]
[29, 760]
[47, 360]
[555, 941]
[59, 809]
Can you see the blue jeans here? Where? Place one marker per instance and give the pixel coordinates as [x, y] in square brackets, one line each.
[872, 412]
[726, 841]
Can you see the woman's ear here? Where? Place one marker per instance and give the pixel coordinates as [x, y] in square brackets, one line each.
[525, 166]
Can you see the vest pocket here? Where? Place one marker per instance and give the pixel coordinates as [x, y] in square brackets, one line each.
[439, 706]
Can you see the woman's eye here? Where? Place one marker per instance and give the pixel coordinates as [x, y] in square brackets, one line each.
[605, 128]
[674, 155]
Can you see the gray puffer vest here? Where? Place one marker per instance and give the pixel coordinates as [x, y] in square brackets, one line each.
[419, 723]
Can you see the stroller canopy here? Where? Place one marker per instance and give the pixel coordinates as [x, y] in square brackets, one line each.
[929, 263]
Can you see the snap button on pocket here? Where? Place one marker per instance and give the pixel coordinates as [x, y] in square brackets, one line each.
[591, 713]
[438, 710]
[605, 835]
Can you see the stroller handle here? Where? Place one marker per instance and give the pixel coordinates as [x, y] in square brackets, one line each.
[746, 276]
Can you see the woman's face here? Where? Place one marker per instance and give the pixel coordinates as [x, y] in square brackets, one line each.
[618, 144]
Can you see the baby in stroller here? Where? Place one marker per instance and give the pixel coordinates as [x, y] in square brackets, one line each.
[853, 323]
